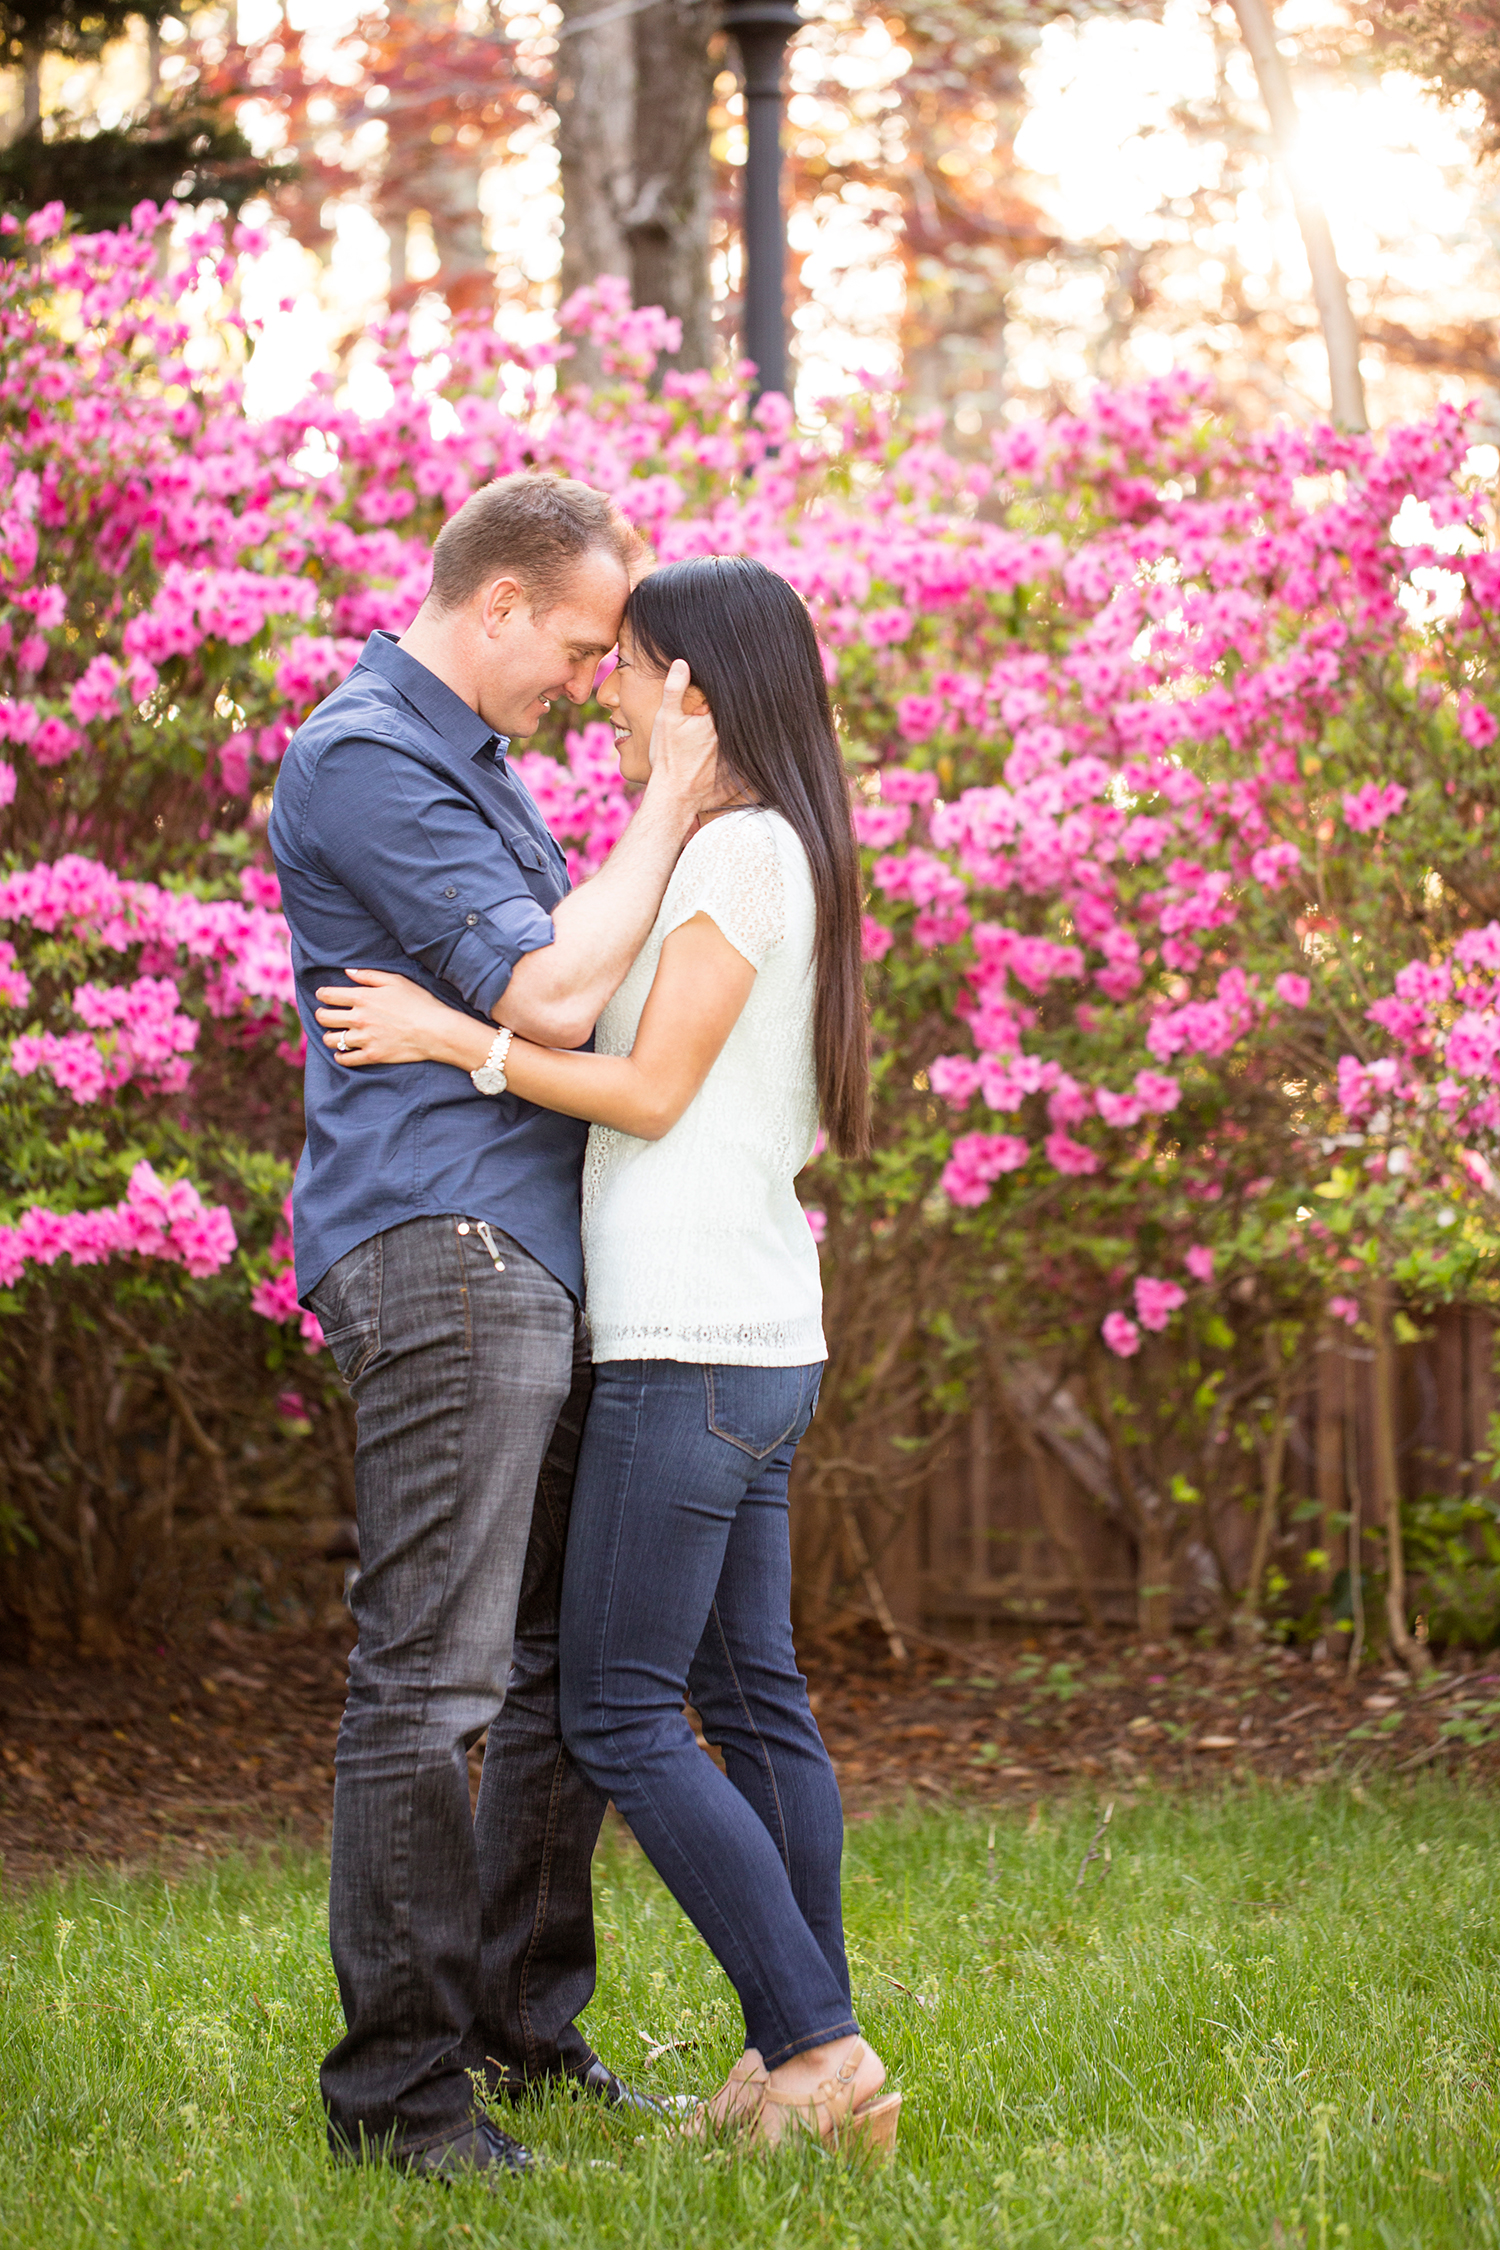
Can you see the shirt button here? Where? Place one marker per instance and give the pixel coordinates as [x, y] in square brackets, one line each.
[451, 891]
[471, 919]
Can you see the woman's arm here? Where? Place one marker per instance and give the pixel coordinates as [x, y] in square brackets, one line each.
[700, 987]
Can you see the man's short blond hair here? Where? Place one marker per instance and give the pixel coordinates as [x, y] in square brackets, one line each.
[533, 528]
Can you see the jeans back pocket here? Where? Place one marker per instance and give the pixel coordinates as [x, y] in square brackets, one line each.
[759, 1408]
[347, 1304]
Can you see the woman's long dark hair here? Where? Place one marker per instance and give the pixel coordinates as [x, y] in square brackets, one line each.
[749, 644]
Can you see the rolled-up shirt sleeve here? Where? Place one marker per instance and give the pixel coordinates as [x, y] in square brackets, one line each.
[423, 861]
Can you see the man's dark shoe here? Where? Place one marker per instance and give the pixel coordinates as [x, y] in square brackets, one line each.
[600, 2081]
[483, 2152]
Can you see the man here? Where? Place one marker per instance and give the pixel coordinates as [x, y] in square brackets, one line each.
[437, 1234]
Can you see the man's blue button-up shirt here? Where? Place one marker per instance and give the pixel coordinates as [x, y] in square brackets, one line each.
[404, 841]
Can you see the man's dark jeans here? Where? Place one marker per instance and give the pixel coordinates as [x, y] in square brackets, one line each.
[461, 1946]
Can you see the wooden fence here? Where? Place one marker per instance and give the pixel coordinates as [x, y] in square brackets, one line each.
[1005, 1532]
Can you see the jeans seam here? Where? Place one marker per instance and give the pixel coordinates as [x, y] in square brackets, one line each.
[710, 1913]
[426, 1657]
[607, 1608]
[760, 1740]
[547, 1496]
[463, 1290]
[374, 1353]
[539, 1919]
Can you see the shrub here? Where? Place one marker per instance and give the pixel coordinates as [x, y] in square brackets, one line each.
[1176, 765]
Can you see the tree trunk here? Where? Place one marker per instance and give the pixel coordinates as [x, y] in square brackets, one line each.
[667, 224]
[1050, 1503]
[451, 194]
[432, 170]
[1153, 1580]
[396, 223]
[595, 100]
[1053, 1511]
[1329, 1445]
[1356, 1537]
[31, 88]
[1144, 1510]
[1330, 290]
[632, 100]
[1404, 1644]
[1248, 1623]
[981, 1469]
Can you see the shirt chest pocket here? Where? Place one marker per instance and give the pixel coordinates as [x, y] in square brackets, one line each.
[540, 867]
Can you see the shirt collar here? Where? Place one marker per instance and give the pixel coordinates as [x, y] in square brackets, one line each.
[448, 714]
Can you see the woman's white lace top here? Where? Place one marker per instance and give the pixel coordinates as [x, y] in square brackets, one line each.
[695, 1245]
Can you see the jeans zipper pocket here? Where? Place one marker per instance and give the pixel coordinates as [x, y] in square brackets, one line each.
[486, 1236]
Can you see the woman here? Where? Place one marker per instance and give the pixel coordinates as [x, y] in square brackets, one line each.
[742, 1018]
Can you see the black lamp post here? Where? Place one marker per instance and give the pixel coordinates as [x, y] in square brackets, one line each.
[762, 29]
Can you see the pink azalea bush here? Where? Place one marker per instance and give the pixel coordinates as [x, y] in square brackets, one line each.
[155, 1220]
[1183, 922]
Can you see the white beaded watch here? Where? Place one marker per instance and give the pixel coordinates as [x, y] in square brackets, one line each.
[489, 1078]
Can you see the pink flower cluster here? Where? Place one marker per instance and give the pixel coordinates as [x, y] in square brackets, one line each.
[244, 948]
[979, 1159]
[1442, 1018]
[145, 1037]
[158, 1219]
[1155, 1303]
[1121, 1334]
[15, 984]
[274, 1295]
[1371, 807]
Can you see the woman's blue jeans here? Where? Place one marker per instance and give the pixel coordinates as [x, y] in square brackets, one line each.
[677, 1587]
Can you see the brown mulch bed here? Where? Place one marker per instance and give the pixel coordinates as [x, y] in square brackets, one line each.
[174, 1755]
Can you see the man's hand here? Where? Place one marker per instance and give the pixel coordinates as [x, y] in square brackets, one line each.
[684, 747]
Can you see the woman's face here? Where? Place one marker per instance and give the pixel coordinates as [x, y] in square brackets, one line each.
[632, 697]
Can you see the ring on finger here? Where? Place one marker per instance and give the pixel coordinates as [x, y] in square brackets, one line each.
[343, 1043]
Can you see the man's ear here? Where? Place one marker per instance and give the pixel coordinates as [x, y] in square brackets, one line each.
[694, 701]
[497, 602]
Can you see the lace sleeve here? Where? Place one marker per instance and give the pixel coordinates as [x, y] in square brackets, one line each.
[731, 871]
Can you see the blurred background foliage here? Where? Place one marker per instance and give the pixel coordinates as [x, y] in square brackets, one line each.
[1002, 203]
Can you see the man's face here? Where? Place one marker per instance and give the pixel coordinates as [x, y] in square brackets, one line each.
[527, 662]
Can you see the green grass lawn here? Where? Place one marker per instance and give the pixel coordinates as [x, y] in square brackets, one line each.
[1268, 2019]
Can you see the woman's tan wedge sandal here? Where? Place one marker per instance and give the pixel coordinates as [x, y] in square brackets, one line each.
[736, 2104]
[869, 2130]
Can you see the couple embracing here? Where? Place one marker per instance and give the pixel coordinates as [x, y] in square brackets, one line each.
[572, 1494]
